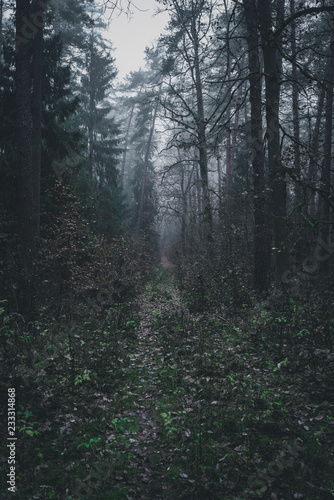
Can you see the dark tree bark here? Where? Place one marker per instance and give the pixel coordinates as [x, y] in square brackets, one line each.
[314, 154]
[186, 180]
[184, 212]
[146, 164]
[126, 144]
[37, 110]
[201, 135]
[295, 109]
[325, 183]
[91, 127]
[1, 19]
[26, 219]
[261, 244]
[232, 131]
[199, 210]
[235, 128]
[270, 44]
[229, 136]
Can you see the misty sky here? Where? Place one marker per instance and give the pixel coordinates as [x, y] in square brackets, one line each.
[131, 36]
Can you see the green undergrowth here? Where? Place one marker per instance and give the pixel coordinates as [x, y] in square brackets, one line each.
[157, 401]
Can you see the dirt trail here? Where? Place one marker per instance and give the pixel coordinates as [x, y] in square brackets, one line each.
[149, 458]
[166, 263]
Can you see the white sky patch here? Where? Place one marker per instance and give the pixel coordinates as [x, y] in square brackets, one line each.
[131, 36]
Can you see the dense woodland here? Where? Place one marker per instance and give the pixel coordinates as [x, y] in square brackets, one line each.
[166, 252]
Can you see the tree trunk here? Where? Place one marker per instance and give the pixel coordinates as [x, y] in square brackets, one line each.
[295, 110]
[261, 247]
[201, 136]
[91, 107]
[184, 212]
[229, 137]
[235, 130]
[126, 145]
[325, 183]
[91, 126]
[26, 219]
[37, 110]
[270, 44]
[186, 178]
[1, 22]
[232, 132]
[199, 200]
[219, 173]
[314, 153]
[146, 162]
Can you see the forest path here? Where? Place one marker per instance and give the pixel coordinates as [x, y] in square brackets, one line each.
[148, 457]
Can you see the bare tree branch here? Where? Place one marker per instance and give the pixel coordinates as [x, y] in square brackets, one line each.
[301, 13]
